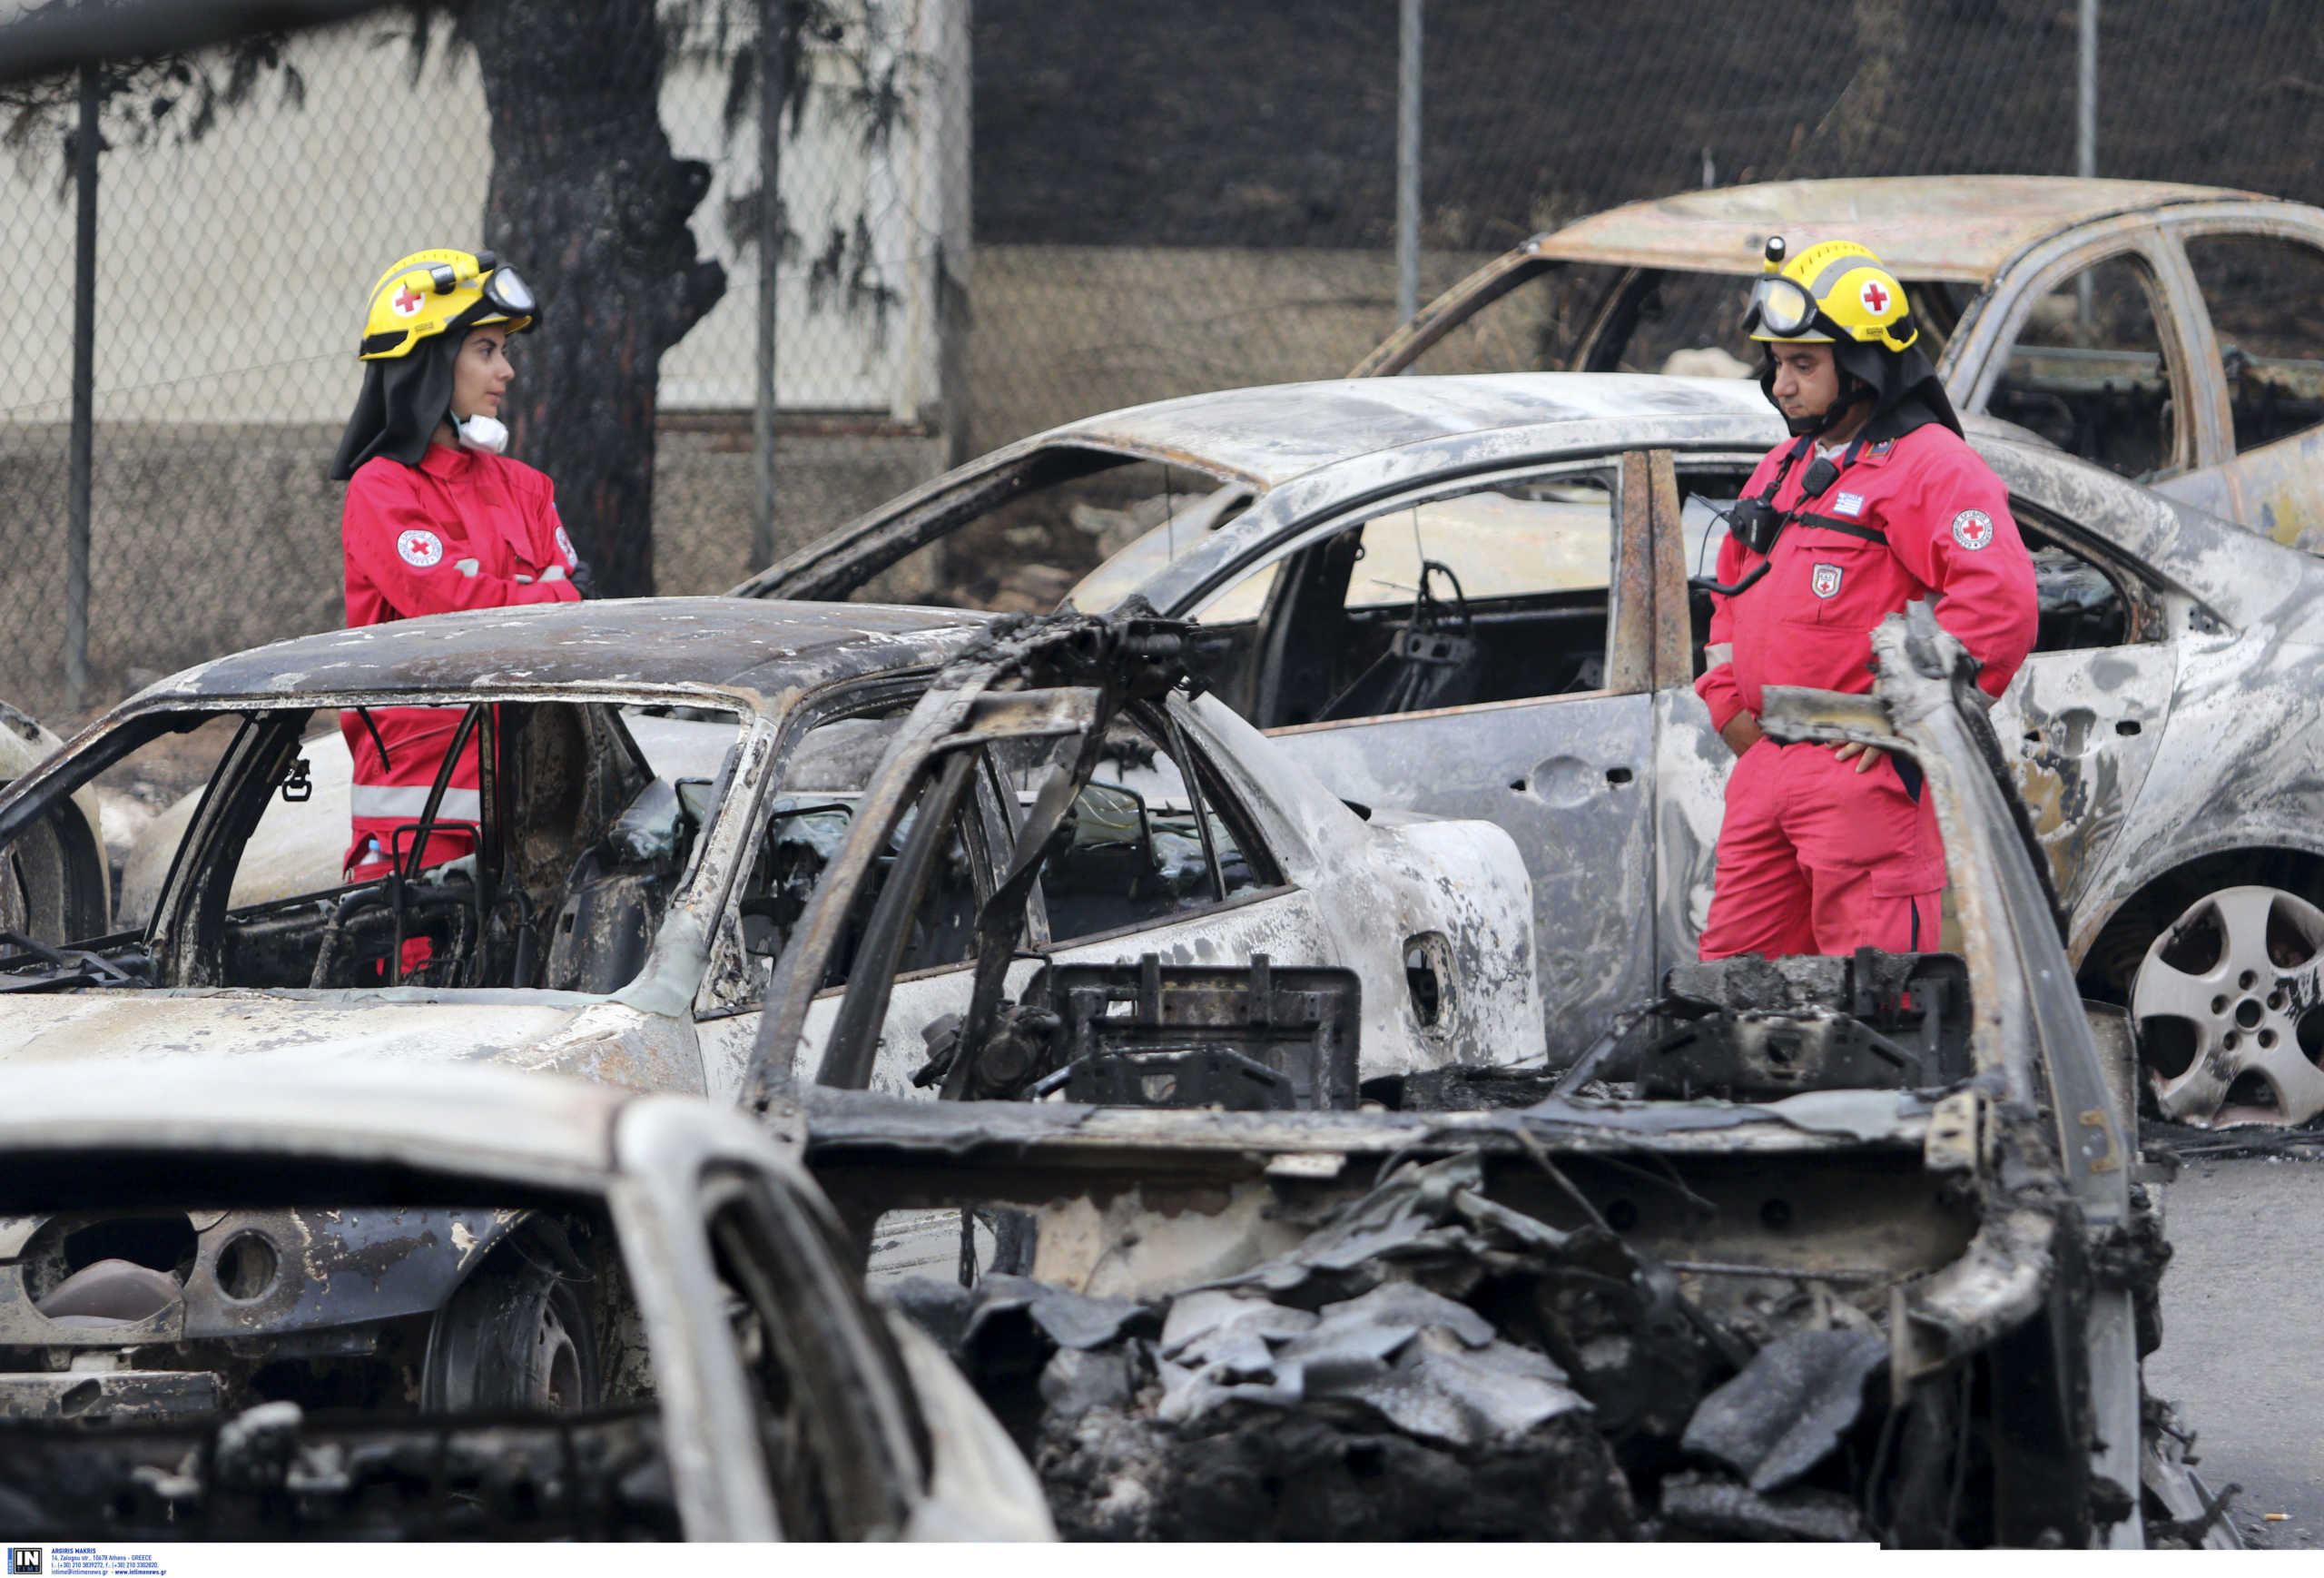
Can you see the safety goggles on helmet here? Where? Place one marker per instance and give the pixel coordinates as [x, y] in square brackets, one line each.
[503, 289]
[443, 291]
[1779, 308]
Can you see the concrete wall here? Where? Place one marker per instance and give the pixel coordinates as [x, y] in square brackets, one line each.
[1060, 333]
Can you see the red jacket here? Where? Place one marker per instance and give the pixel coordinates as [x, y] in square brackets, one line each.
[407, 531]
[1809, 620]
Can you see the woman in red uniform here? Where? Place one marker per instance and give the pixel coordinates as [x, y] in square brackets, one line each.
[437, 520]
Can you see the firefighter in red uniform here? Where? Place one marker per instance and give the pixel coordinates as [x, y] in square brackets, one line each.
[1875, 501]
[437, 519]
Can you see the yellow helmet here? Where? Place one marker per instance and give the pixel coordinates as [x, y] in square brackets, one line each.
[1834, 288]
[430, 293]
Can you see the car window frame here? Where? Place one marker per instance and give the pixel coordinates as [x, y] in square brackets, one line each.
[2286, 226]
[2202, 412]
[1217, 798]
[874, 543]
[1628, 663]
[727, 959]
[804, 1260]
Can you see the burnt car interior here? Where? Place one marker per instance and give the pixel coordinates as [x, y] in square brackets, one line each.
[1144, 841]
[1727, 1312]
[1500, 594]
[1018, 537]
[263, 1390]
[2090, 372]
[557, 878]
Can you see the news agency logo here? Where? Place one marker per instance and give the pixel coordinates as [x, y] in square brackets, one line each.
[24, 1561]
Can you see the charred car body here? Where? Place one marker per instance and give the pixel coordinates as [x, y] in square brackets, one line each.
[1469, 596]
[622, 911]
[755, 1393]
[1816, 1249]
[2153, 328]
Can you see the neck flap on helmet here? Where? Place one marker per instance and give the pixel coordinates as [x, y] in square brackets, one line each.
[403, 401]
[1906, 394]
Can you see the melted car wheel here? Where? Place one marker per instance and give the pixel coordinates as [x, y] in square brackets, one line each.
[517, 1336]
[2229, 1007]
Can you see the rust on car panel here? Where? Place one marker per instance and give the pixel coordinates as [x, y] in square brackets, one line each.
[1629, 615]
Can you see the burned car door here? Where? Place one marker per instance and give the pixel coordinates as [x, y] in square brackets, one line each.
[835, 753]
[827, 1392]
[1480, 650]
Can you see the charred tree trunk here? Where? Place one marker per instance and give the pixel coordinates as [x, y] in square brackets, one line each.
[588, 204]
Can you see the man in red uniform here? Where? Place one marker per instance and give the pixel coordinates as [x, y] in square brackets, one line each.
[437, 519]
[1875, 501]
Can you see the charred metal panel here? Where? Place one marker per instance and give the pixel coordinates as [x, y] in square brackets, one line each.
[264, 1273]
[2083, 729]
[1572, 780]
[1632, 645]
[105, 1394]
[1691, 767]
[2254, 700]
[583, 650]
[1281, 924]
[2279, 490]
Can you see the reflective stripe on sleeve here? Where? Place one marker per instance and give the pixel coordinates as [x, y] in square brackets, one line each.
[379, 801]
[1717, 653]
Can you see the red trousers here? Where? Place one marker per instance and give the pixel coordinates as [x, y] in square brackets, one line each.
[1814, 857]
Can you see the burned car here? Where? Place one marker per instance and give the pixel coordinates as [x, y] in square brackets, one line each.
[2161, 330]
[1469, 596]
[197, 1238]
[622, 914]
[664, 784]
[1840, 1248]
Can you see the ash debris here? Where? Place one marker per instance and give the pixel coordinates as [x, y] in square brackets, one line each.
[1429, 1364]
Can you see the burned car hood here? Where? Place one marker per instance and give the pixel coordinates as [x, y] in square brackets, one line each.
[533, 1032]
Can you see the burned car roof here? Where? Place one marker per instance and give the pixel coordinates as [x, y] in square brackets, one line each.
[1272, 434]
[477, 1119]
[1938, 227]
[764, 647]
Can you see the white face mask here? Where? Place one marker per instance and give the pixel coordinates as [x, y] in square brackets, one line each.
[485, 433]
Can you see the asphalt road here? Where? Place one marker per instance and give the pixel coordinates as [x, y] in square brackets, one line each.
[2242, 1326]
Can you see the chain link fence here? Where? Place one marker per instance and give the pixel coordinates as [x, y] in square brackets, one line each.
[1164, 200]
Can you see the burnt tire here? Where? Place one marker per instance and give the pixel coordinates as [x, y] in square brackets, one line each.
[517, 1335]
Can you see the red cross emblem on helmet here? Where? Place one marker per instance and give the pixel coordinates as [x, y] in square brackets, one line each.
[1874, 297]
[406, 300]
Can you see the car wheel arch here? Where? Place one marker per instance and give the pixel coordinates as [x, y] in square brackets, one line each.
[2143, 906]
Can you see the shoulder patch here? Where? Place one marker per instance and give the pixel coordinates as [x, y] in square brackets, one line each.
[1973, 529]
[422, 550]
